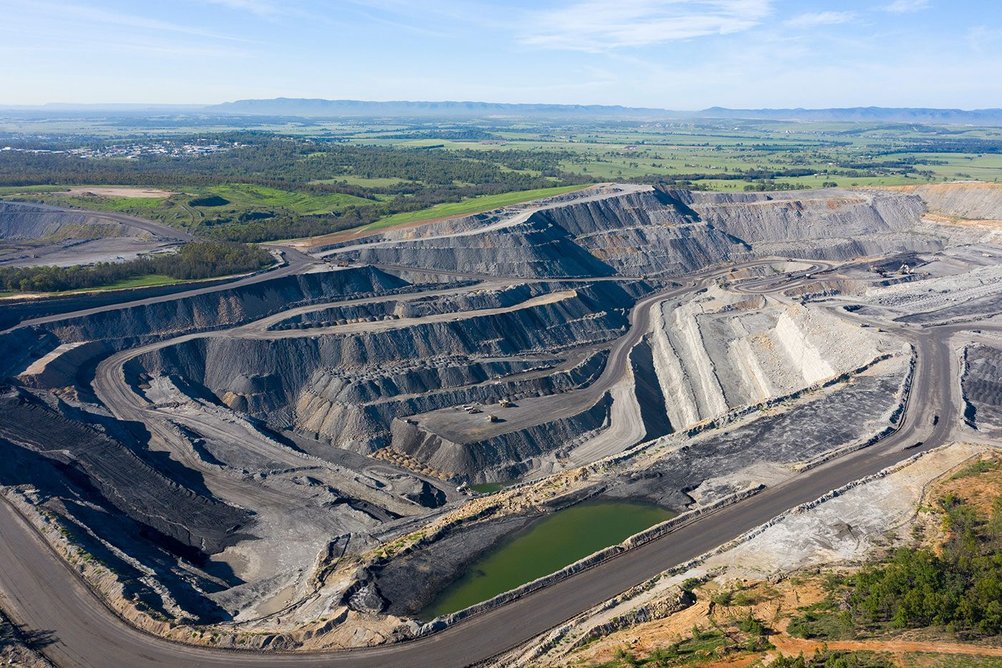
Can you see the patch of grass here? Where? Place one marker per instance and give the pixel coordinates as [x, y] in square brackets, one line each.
[932, 660]
[825, 620]
[739, 596]
[140, 282]
[139, 205]
[245, 196]
[364, 182]
[471, 206]
[702, 643]
[977, 468]
[147, 281]
[17, 190]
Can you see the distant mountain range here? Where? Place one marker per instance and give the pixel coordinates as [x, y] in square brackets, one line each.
[318, 108]
[321, 108]
[864, 114]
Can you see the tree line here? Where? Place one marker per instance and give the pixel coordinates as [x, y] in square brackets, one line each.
[197, 260]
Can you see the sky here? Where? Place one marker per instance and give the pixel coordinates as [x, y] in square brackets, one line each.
[673, 54]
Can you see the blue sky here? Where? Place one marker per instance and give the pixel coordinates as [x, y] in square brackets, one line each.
[677, 54]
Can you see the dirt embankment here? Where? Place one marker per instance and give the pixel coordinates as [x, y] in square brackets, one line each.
[120, 191]
[965, 203]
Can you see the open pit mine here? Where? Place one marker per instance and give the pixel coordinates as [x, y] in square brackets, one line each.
[308, 465]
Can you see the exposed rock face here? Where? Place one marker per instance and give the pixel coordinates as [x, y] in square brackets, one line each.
[967, 201]
[535, 247]
[22, 222]
[714, 466]
[348, 388]
[224, 308]
[796, 221]
[719, 351]
[647, 233]
[473, 300]
[505, 456]
[667, 232]
[974, 294]
[982, 385]
[35, 234]
[189, 520]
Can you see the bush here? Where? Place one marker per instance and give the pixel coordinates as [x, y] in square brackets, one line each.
[834, 659]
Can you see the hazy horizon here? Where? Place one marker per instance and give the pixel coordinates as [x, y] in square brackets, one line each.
[140, 106]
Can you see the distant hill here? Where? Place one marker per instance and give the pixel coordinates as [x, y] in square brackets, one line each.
[317, 108]
[864, 114]
[284, 107]
[320, 108]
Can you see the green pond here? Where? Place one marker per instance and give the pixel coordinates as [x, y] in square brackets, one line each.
[545, 547]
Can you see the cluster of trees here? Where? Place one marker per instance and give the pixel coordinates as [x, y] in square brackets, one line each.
[952, 145]
[959, 589]
[194, 261]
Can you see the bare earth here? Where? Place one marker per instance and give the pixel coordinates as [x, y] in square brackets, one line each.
[120, 191]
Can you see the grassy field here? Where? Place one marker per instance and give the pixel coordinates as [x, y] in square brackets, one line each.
[149, 281]
[137, 205]
[16, 190]
[470, 206]
[139, 282]
[364, 182]
[244, 196]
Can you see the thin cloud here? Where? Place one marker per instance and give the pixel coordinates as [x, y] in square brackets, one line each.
[257, 7]
[906, 6]
[601, 25]
[818, 19]
[132, 22]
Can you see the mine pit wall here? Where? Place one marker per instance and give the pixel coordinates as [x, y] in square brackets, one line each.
[756, 355]
[322, 417]
[535, 248]
[24, 221]
[89, 476]
[690, 230]
[63, 368]
[821, 225]
[505, 456]
[981, 384]
[969, 201]
[18, 310]
[785, 216]
[620, 231]
[300, 382]
[647, 388]
[136, 325]
[418, 308]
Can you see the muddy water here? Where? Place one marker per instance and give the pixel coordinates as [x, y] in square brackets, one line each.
[545, 547]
